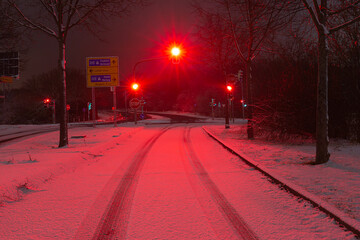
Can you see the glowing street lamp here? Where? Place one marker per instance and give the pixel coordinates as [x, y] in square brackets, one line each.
[175, 51]
[135, 86]
[175, 54]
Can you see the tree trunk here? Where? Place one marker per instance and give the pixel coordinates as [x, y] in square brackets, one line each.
[63, 141]
[322, 118]
[250, 124]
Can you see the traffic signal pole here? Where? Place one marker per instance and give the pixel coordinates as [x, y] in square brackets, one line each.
[227, 123]
[175, 52]
[229, 89]
[134, 79]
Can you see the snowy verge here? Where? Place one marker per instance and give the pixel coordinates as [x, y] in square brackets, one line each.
[27, 164]
[350, 223]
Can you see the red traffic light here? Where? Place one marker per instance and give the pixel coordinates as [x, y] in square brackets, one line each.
[229, 88]
[135, 86]
[47, 100]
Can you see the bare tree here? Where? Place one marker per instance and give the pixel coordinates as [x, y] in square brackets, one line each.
[253, 25]
[218, 46]
[56, 18]
[9, 34]
[325, 17]
[250, 25]
[217, 43]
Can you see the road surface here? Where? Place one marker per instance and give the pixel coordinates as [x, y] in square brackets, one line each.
[165, 181]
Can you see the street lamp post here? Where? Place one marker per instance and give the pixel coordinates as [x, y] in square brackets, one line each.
[135, 88]
[175, 53]
[134, 69]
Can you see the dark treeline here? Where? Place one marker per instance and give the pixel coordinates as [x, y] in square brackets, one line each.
[25, 105]
[277, 49]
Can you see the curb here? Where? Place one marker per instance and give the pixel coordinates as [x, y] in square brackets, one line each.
[349, 223]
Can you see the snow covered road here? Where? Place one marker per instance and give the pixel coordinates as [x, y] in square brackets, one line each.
[158, 182]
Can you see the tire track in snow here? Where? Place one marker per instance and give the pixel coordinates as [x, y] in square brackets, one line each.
[113, 224]
[230, 214]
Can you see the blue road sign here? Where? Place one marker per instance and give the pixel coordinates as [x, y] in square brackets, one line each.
[99, 62]
[101, 78]
[102, 71]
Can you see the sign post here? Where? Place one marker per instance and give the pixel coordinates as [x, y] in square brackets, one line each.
[135, 104]
[102, 72]
[93, 106]
[113, 89]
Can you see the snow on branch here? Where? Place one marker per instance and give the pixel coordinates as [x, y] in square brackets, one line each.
[349, 6]
[334, 29]
[28, 23]
[312, 13]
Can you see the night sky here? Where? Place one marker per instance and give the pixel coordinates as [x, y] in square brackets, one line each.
[143, 34]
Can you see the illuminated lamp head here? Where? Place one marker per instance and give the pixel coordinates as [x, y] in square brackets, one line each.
[175, 51]
[135, 86]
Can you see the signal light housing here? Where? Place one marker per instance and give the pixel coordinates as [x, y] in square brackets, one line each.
[47, 102]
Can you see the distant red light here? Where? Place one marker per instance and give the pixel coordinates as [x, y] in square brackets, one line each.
[229, 88]
[47, 100]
